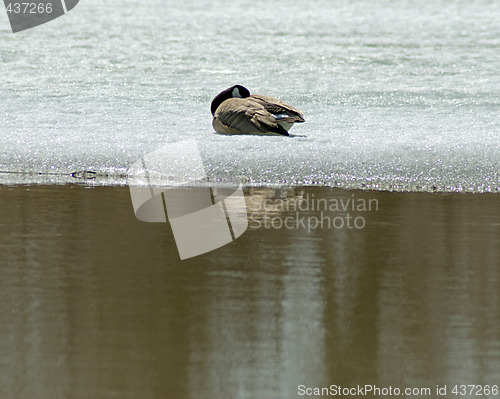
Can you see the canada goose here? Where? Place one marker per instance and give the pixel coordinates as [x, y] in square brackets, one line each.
[235, 111]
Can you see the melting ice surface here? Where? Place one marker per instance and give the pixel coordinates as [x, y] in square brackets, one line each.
[402, 96]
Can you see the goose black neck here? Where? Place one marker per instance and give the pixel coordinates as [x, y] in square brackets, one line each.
[219, 99]
[242, 92]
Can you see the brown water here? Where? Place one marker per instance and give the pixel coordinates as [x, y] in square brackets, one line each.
[96, 304]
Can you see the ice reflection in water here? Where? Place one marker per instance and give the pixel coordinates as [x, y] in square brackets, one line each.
[97, 304]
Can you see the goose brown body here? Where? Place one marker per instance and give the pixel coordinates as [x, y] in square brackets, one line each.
[235, 111]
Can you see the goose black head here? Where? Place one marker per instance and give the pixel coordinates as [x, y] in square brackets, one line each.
[236, 91]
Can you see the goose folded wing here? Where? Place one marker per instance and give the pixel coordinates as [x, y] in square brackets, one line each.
[248, 116]
[281, 110]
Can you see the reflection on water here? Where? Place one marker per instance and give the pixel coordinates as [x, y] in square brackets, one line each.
[94, 303]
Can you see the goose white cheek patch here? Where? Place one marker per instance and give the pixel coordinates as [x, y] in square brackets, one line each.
[30, 13]
[162, 188]
[236, 93]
